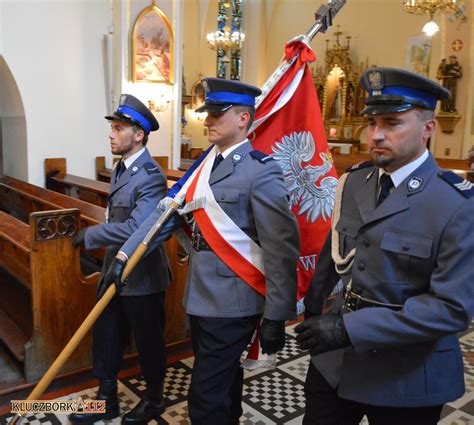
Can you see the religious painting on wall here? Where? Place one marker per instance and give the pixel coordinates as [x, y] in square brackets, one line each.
[152, 47]
[418, 54]
[198, 95]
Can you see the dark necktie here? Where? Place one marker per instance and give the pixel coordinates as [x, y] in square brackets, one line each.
[217, 161]
[120, 170]
[386, 184]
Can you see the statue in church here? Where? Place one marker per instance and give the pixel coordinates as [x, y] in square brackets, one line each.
[336, 108]
[449, 73]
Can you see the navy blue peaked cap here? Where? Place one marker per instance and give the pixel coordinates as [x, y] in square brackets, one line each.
[222, 94]
[397, 90]
[133, 111]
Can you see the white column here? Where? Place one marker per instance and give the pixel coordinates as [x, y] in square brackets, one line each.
[178, 72]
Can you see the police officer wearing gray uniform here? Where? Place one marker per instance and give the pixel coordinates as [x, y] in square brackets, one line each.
[402, 243]
[223, 309]
[137, 186]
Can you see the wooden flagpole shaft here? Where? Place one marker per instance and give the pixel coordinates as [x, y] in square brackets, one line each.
[91, 318]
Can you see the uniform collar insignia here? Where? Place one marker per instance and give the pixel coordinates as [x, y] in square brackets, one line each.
[414, 184]
[236, 157]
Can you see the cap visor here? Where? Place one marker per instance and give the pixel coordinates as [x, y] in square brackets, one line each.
[380, 109]
[115, 117]
[214, 107]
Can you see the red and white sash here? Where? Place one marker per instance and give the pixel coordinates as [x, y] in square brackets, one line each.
[230, 243]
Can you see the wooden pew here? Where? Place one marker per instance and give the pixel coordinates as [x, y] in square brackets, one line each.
[175, 323]
[103, 173]
[458, 166]
[21, 198]
[344, 161]
[100, 167]
[43, 295]
[88, 190]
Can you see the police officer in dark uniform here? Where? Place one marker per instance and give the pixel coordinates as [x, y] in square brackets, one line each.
[402, 244]
[222, 307]
[137, 186]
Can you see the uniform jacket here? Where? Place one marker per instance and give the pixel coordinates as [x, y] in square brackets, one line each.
[415, 249]
[254, 196]
[131, 200]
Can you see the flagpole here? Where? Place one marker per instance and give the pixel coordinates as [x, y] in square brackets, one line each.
[323, 17]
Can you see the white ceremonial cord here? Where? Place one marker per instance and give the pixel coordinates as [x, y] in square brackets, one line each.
[339, 261]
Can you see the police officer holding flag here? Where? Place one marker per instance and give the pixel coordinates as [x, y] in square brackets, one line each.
[246, 205]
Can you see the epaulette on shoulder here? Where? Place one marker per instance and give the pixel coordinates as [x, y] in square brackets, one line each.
[359, 166]
[260, 156]
[463, 186]
[151, 168]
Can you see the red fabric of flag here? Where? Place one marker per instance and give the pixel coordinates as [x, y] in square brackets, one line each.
[288, 125]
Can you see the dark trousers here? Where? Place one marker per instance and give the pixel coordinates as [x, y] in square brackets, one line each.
[215, 394]
[324, 407]
[145, 317]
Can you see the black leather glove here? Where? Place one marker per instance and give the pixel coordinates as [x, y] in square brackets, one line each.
[319, 334]
[272, 336]
[79, 238]
[113, 275]
[308, 313]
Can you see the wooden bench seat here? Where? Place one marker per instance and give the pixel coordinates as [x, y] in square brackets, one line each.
[87, 190]
[16, 317]
[344, 161]
[15, 247]
[175, 324]
[43, 295]
[104, 174]
[12, 336]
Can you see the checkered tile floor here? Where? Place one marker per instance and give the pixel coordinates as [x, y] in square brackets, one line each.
[270, 397]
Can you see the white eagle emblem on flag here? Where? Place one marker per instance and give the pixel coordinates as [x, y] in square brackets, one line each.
[302, 181]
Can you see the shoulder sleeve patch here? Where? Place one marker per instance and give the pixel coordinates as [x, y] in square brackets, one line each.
[463, 186]
[260, 156]
[151, 168]
[359, 166]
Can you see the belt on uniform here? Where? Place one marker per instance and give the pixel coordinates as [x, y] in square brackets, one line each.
[354, 301]
[198, 242]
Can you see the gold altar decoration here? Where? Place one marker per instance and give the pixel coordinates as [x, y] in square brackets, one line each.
[339, 92]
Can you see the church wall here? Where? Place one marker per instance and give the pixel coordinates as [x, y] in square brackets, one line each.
[54, 51]
[13, 153]
[199, 61]
[160, 142]
[379, 30]
[14, 128]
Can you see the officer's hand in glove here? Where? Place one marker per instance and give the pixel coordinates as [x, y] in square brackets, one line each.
[272, 336]
[113, 275]
[308, 313]
[319, 334]
[79, 238]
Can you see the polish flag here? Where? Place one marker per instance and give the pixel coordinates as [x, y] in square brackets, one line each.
[288, 125]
